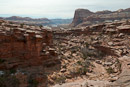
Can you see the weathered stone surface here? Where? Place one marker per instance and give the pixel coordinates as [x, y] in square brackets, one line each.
[85, 83]
[93, 55]
[124, 77]
[98, 46]
[124, 29]
[80, 14]
[24, 47]
[74, 84]
[88, 17]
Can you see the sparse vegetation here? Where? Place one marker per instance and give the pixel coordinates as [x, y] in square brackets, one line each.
[82, 70]
[110, 70]
[87, 45]
[60, 79]
[9, 81]
[79, 62]
[12, 71]
[100, 55]
[32, 82]
[80, 67]
[21, 25]
[119, 65]
[89, 53]
[35, 57]
[40, 26]
[2, 61]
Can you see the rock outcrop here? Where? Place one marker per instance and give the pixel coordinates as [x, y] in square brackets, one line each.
[20, 47]
[97, 55]
[88, 17]
[91, 56]
[79, 16]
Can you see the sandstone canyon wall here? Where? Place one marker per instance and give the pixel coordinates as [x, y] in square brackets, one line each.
[24, 46]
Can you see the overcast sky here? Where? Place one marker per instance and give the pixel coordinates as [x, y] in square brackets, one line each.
[56, 8]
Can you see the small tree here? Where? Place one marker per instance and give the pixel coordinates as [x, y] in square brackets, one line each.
[40, 26]
[21, 25]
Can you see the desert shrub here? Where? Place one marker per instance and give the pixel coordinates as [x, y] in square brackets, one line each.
[82, 71]
[32, 82]
[81, 67]
[60, 79]
[87, 45]
[40, 26]
[88, 53]
[101, 55]
[21, 25]
[85, 63]
[110, 70]
[91, 53]
[79, 62]
[2, 81]
[9, 81]
[2, 61]
[119, 65]
[12, 71]
[73, 50]
[84, 56]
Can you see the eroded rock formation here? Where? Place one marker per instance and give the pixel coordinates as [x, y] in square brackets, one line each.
[79, 16]
[93, 56]
[21, 47]
[86, 17]
[96, 55]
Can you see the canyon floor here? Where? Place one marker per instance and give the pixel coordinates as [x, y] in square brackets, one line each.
[94, 56]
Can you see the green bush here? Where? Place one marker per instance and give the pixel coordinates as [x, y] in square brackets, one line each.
[21, 25]
[40, 26]
[82, 71]
[79, 62]
[119, 65]
[32, 82]
[81, 68]
[87, 45]
[60, 79]
[110, 70]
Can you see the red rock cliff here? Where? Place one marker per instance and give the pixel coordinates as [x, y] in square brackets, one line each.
[24, 47]
[79, 16]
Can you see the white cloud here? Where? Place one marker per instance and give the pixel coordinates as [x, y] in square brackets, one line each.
[57, 8]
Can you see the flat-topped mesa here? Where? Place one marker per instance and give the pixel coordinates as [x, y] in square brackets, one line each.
[80, 14]
[104, 12]
[84, 17]
[123, 10]
[23, 47]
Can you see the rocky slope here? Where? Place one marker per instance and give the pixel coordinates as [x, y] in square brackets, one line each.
[25, 52]
[93, 56]
[85, 17]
